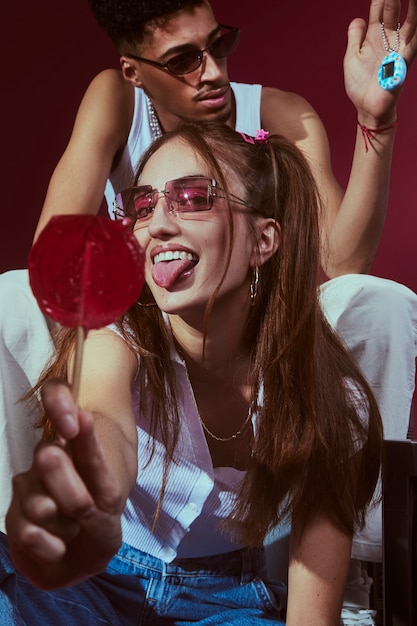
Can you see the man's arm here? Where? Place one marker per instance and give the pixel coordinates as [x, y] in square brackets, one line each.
[99, 135]
[64, 522]
[353, 220]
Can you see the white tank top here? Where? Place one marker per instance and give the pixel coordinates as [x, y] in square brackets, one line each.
[248, 121]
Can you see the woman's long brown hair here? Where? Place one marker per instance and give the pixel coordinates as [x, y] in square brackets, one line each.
[313, 452]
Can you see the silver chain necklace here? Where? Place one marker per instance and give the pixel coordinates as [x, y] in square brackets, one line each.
[385, 38]
[155, 127]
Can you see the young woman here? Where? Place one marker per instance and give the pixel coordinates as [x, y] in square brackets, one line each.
[219, 405]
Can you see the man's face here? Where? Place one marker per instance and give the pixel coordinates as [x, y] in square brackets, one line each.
[203, 94]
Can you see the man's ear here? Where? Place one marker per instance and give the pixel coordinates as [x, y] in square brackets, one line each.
[268, 238]
[131, 72]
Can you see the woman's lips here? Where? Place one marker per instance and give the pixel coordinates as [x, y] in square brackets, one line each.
[169, 265]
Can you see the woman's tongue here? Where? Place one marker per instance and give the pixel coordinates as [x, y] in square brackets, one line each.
[165, 273]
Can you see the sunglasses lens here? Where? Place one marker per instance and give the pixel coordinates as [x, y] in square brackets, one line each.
[187, 195]
[134, 203]
[190, 194]
[225, 44]
[189, 61]
[142, 203]
[184, 63]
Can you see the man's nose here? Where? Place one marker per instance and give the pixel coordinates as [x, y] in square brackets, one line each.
[210, 66]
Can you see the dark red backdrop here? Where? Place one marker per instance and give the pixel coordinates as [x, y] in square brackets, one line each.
[51, 50]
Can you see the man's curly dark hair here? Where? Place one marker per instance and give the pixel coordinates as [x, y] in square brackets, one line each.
[127, 22]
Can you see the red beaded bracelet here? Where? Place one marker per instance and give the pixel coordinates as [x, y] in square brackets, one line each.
[368, 133]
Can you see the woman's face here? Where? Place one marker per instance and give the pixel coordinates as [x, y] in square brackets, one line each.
[182, 286]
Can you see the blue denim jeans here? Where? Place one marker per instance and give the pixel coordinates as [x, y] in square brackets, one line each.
[140, 590]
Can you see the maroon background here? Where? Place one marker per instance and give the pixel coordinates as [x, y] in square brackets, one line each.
[51, 50]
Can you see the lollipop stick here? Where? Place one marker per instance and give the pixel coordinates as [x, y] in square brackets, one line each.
[81, 331]
[79, 348]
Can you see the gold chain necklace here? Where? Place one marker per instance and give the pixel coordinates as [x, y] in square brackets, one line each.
[223, 439]
[212, 435]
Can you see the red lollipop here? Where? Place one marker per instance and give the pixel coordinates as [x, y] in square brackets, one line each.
[85, 271]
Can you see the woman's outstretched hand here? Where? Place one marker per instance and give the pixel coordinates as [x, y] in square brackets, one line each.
[63, 523]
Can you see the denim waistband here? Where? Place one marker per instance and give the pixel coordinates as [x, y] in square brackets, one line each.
[245, 564]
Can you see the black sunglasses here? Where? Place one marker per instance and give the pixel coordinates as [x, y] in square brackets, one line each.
[187, 62]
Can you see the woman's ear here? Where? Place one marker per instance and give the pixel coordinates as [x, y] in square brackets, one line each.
[268, 238]
[131, 72]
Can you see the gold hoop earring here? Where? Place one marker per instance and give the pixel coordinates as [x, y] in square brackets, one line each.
[253, 289]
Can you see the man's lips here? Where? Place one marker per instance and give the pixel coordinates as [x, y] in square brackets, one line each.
[212, 94]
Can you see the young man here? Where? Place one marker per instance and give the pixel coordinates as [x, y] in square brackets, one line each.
[174, 68]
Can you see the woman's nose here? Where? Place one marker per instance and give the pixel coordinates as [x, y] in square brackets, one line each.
[163, 221]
